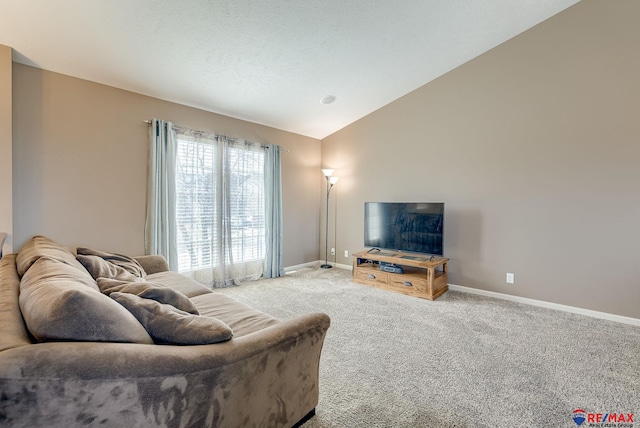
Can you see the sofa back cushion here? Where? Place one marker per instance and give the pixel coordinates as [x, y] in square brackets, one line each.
[41, 246]
[179, 282]
[58, 303]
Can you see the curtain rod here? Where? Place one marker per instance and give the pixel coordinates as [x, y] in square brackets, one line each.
[150, 122]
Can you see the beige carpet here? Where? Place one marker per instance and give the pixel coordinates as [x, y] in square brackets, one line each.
[464, 360]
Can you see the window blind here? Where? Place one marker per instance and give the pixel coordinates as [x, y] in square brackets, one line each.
[220, 198]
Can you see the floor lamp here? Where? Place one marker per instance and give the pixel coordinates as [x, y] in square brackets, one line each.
[330, 182]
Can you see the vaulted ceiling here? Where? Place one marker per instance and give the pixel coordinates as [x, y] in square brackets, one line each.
[265, 61]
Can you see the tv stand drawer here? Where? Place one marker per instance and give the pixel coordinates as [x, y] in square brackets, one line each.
[373, 277]
[408, 283]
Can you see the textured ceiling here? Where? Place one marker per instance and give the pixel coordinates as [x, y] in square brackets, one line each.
[265, 61]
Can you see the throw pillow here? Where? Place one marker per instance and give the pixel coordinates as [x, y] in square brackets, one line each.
[57, 305]
[159, 293]
[100, 268]
[130, 264]
[168, 325]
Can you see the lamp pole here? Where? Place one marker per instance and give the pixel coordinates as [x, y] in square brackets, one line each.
[330, 182]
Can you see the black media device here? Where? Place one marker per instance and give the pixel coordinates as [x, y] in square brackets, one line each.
[416, 227]
[390, 267]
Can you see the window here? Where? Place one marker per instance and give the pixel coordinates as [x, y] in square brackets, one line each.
[220, 212]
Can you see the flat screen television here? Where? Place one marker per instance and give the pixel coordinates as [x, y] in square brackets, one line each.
[405, 226]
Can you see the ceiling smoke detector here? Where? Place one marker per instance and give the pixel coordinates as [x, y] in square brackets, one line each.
[328, 99]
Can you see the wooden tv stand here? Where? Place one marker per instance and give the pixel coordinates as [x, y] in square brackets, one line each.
[423, 276]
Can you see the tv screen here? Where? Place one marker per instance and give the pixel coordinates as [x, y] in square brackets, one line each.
[405, 226]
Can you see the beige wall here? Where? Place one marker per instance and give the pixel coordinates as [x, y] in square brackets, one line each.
[6, 180]
[80, 164]
[535, 149]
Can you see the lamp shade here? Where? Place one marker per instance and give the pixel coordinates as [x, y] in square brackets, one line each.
[327, 172]
[333, 180]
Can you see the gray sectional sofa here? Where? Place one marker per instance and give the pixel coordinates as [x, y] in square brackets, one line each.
[97, 339]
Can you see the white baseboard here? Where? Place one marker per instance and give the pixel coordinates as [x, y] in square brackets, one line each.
[525, 300]
[341, 266]
[549, 305]
[316, 263]
[300, 266]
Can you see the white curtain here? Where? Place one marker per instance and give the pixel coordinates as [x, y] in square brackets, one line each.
[160, 223]
[220, 208]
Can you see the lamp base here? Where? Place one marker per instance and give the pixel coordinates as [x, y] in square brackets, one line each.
[326, 266]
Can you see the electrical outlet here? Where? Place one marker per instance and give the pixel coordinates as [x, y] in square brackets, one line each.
[511, 278]
[333, 251]
[346, 253]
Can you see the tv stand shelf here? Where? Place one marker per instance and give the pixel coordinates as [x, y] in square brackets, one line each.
[423, 276]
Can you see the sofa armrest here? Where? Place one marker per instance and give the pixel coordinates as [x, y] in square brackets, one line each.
[109, 360]
[266, 378]
[153, 264]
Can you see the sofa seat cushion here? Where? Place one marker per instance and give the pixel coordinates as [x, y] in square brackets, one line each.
[168, 325]
[41, 246]
[181, 283]
[241, 318]
[58, 303]
[148, 290]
